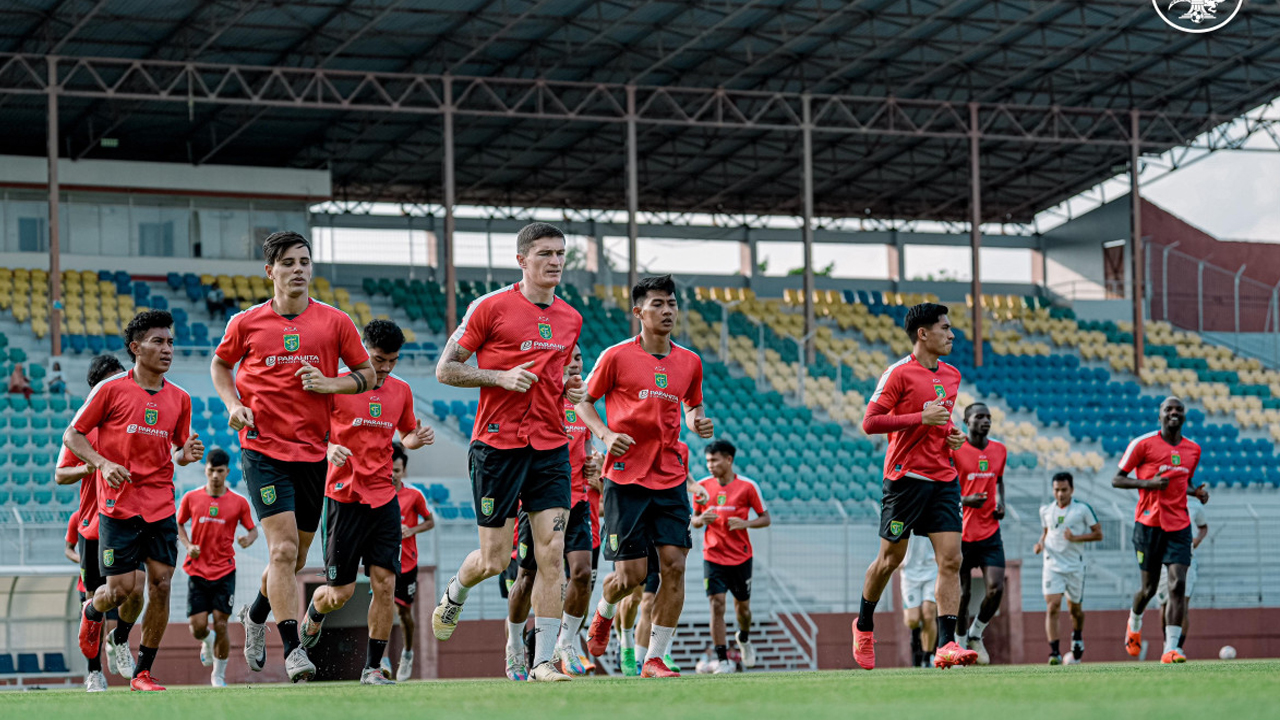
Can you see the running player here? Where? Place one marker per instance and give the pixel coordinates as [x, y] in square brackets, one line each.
[143, 423]
[214, 511]
[912, 404]
[415, 518]
[980, 463]
[917, 577]
[288, 351]
[523, 338]
[726, 549]
[362, 508]
[1067, 524]
[1163, 463]
[72, 470]
[644, 382]
[1201, 523]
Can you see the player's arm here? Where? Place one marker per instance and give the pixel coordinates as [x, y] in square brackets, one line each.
[879, 421]
[615, 443]
[359, 379]
[761, 520]
[224, 383]
[452, 369]
[71, 475]
[248, 538]
[185, 540]
[70, 553]
[1202, 531]
[1039, 548]
[1200, 492]
[1094, 534]
[115, 475]
[1123, 481]
[423, 526]
[696, 418]
[999, 509]
[420, 436]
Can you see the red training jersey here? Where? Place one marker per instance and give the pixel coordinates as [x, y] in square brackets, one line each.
[289, 423]
[138, 430]
[721, 545]
[73, 533]
[88, 510]
[579, 439]
[504, 330]
[366, 424]
[1149, 456]
[919, 451]
[413, 511]
[213, 528]
[642, 398]
[979, 470]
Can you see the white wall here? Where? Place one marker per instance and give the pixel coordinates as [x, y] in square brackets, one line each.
[109, 175]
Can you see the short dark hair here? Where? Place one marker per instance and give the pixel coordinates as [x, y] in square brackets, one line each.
[535, 231]
[972, 406]
[720, 446]
[654, 283]
[922, 316]
[384, 335]
[141, 323]
[1066, 478]
[102, 367]
[398, 453]
[277, 242]
[217, 457]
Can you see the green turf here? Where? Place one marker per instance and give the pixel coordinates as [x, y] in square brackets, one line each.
[1203, 691]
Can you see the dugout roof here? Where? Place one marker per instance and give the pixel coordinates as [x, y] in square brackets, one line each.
[540, 92]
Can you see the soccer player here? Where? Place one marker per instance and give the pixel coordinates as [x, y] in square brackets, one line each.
[1163, 463]
[912, 404]
[214, 511]
[72, 470]
[362, 507]
[645, 381]
[1201, 523]
[726, 549]
[523, 337]
[916, 579]
[980, 463]
[1067, 524]
[143, 423]
[288, 350]
[415, 518]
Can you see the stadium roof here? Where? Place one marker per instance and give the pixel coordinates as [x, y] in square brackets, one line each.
[540, 92]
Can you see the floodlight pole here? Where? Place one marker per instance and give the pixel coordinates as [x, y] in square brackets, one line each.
[450, 268]
[55, 249]
[810, 323]
[1164, 278]
[633, 202]
[1135, 242]
[975, 229]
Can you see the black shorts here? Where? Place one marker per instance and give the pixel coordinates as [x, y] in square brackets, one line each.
[205, 596]
[1156, 547]
[919, 507]
[508, 578]
[720, 579]
[90, 573]
[125, 545]
[981, 553]
[407, 586]
[502, 481]
[281, 486]
[355, 534]
[654, 579]
[524, 544]
[637, 518]
[577, 536]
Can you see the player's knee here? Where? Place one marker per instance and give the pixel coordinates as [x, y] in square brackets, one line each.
[717, 604]
[340, 595]
[1177, 587]
[159, 587]
[949, 562]
[672, 572]
[285, 552]
[744, 615]
[199, 626]
[220, 627]
[580, 575]
[491, 566]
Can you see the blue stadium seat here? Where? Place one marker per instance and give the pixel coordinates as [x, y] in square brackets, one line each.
[6, 664]
[95, 344]
[28, 663]
[197, 405]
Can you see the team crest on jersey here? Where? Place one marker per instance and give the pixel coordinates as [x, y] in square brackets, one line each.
[268, 494]
[152, 416]
[895, 528]
[524, 550]
[375, 409]
[544, 330]
[486, 506]
[983, 465]
[571, 416]
[613, 543]
[1176, 459]
[660, 379]
[1062, 519]
[213, 511]
[721, 499]
[292, 341]
[108, 557]
[938, 390]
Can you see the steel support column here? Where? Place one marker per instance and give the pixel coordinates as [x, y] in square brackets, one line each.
[55, 235]
[1136, 250]
[450, 269]
[975, 231]
[806, 105]
[1164, 280]
[633, 201]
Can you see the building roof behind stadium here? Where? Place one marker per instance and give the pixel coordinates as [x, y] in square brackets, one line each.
[540, 92]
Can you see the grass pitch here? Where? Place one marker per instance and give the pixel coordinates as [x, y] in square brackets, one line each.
[1203, 691]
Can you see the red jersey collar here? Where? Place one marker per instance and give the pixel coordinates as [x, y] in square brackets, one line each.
[271, 305]
[926, 367]
[515, 287]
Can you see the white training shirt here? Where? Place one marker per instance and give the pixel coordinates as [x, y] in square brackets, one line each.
[1198, 519]
[1060, 554]
[919, 565]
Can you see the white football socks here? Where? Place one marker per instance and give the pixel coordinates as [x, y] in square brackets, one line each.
[627, 639]
[544, 643]
[659, 642]
[457, 591]
[220, 669]
[569, 627]
[642, 653]
[1135, 621]
[515, 638]
[975, 630]
[1172, 637]
[606, 609]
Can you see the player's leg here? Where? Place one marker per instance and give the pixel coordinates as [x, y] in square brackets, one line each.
[717, 623]
[406, 589]
[628, 613]
[667, 605]
[198, 623]
[1175, 614]
[382, 581]
[967, 567]
[548, 586]
[577, 597]
[626, 543]
[929, 628]
[1053, 608]
[91, 575]
[221, 645]
[993, 580]
[120, 562]
[740, 587]
[902, 504]
[156, 617]
[1077, 628]
[644, 619]
[911, 618]
[519, 602]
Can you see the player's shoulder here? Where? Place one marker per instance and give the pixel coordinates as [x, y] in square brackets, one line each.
[706, 480]
[992, 442]
[398, 383]
[1191, 443]
[1144, 439]
[750, 483]
[562, 307]
[1082, 506]
[612, 352]
[177, 389]
[495, 298]
[107, 387]
[897, 365]
[948, 369]
[685, 354]
[194, 494]
[249, 314]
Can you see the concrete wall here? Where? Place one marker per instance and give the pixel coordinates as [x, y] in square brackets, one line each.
[1073, 251]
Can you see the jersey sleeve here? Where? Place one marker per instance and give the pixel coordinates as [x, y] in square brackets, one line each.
[474, 328]
[420, 506]
[408, 422]
[1090, 517]
[1132, 457]
[246, 516]
[757, 502]
[72, 532]
[94, 410]
[184, 510]
[234, 346]
[603, 376]
[182, 430]
[350, 349]
[67, 459]
[693, 396]
[887, 390]
[1044, 516]
[1198, 517]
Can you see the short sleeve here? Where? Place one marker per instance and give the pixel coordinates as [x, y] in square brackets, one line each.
[757, 502]
[350, 349]
[888, 390]
[95, 409]
[183, 429]
[1133, 456]
[1090, 517]
[474, 328]
[1044, 517]
[1198, 517]
[420, 506]
[693, 395]
[408, 421]
[184, 510]
[246, 517]
[603, 376]
[234, 345]
[72, 533]
[67, 459]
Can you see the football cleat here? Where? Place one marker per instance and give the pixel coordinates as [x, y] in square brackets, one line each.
[598, 634]
[145, 683]
[864, 648]
[951, 655]
[655, 668]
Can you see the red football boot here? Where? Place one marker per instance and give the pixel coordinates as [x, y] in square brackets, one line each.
[598, 635]
[952, 654]
[1132, 642]
[143, 682]
[864, 648]
[655, 668]
[90, 634]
